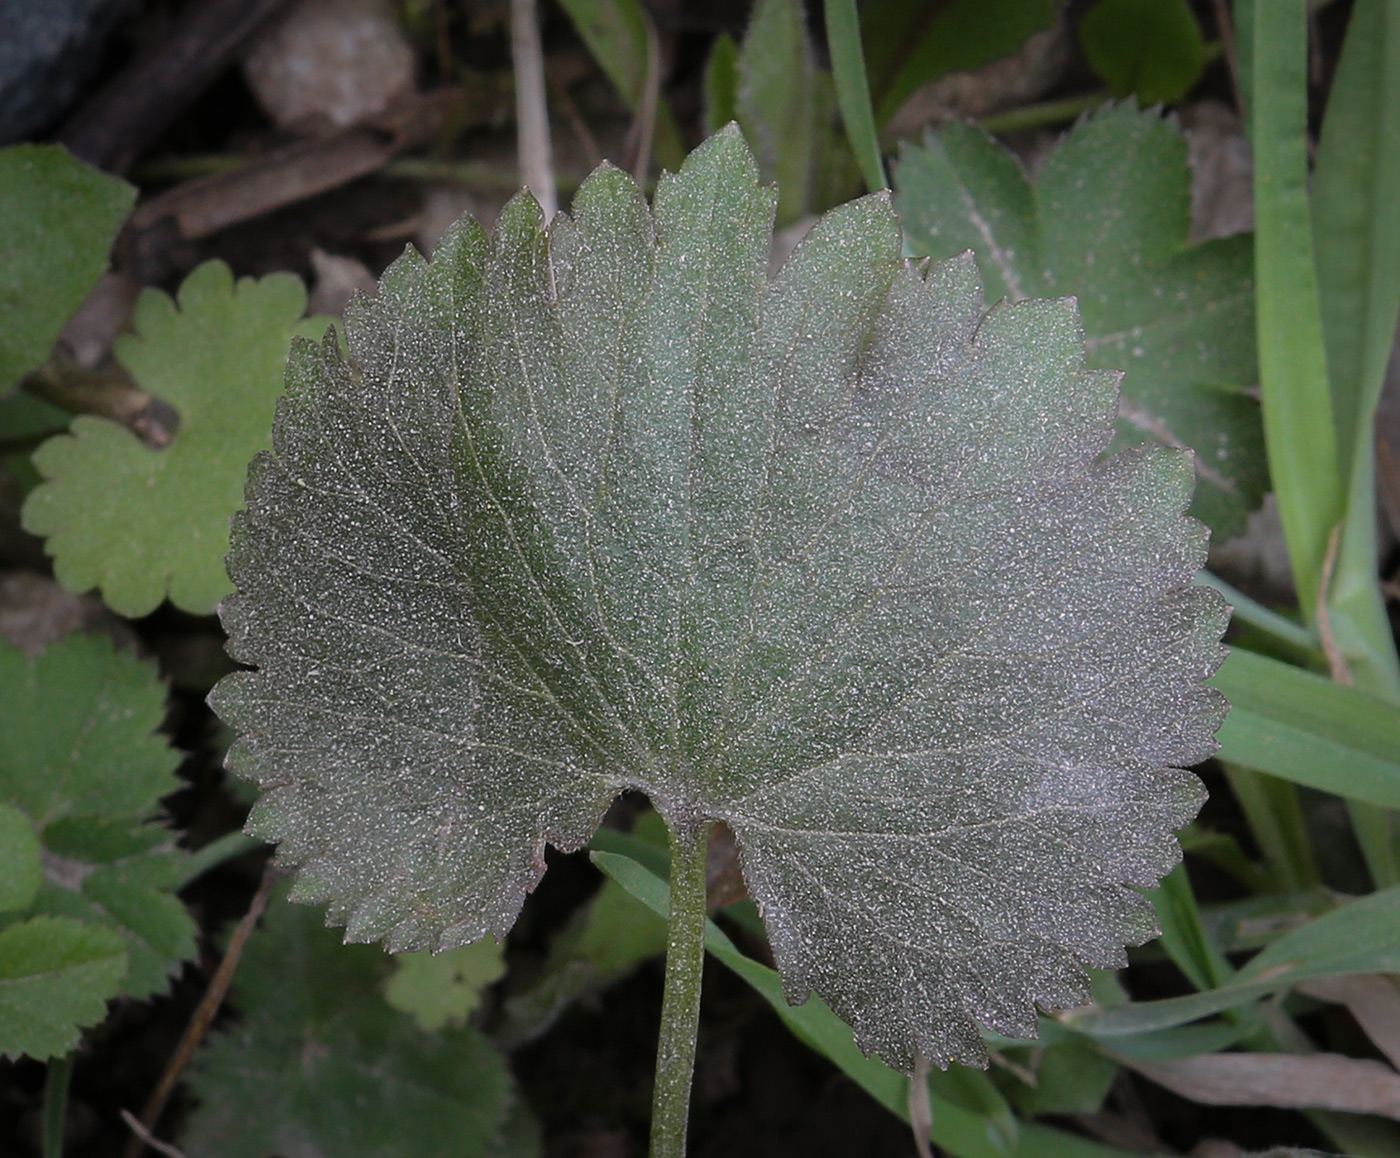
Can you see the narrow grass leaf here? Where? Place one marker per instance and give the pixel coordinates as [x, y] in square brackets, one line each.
[1299, 424]
[1356, 232]
[853, 90]
[1363, 936]
[1301, 727]
[1323, 1081]
[616, 34]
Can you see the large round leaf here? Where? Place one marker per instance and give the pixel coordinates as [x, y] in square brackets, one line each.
[829, 558]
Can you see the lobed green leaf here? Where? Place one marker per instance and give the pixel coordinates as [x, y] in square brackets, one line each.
[444, 988]
[139, 523]
[318, 1063]
[82, 767]
[1107, 222]
[1148, 49]
[56, 976]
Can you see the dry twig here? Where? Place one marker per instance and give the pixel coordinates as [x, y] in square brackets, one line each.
[531, 110]
[203, 1016]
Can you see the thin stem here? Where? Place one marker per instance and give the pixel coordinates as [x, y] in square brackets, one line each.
[56, 1104]
[680, 1007]
[1047, 113]
[218, 851]
[203, 1016]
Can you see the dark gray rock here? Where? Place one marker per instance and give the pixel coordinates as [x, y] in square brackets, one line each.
[48, 50]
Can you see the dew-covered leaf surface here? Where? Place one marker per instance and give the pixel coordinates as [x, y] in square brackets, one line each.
[1106, 221]
[317, 1065]
[829, 558]
[143, 524]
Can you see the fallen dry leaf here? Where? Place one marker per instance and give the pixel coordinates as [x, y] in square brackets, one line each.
[1320, 1081]
[1373, 999]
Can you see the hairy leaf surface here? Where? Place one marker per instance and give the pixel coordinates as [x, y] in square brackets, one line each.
[1107, 220]
[141, 524]
[829, 558]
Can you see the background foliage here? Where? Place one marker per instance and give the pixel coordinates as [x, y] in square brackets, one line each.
[1271, 986]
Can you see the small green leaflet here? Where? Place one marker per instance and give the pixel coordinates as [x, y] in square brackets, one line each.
[56, 975]
[832, 559]
[1107, 222]
[58, 218]
[142, 524]
[318, 1064]
[440, 989]
[909, 43]
[21, 868]
[81, 776]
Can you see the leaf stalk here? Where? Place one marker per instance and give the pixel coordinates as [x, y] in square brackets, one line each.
[680, 1004]
[56, 1104]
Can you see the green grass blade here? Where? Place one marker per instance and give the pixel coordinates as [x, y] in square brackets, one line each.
[1249, 611]
[1356, 187]
[1298, 422]
[1275, 817]
[956, 1129]
[1301, 727]
[615, 32]
[1184, 937]
[1361, 937]
[853, 90]
[1356, 232]
[721, 84]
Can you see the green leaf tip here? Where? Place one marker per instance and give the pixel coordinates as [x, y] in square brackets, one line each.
[58, 218]
[831, 557]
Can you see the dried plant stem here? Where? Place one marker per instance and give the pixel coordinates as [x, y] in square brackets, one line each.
[680, 1006]
[107, 393]
[531, 111]
[920, 1108]
[203, 1016]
